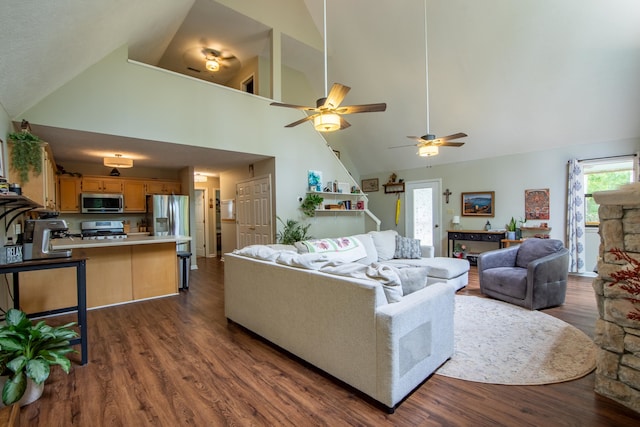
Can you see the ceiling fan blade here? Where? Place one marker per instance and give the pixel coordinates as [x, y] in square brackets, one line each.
[404, 146]
[298, 107]
[364, 108]
[418, 138]
[452, 144]
[454, 136]
[343, 123]
[336, 95]
[306, 119]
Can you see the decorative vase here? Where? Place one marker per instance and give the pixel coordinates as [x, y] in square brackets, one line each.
[31, 394]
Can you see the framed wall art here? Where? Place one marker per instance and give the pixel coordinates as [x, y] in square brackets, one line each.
[478, 203]
[369, 185]
[536, 204]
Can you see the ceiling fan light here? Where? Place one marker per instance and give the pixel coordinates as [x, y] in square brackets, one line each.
[118, 162]
[326, 122]
[428, 150]
[212, 65]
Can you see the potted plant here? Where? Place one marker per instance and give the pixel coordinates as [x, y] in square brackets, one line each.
[511, 229]
[310, 203]
[292, 231]
[26, 154]
[28, 351]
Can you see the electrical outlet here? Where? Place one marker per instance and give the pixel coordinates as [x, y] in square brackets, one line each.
[17, 229]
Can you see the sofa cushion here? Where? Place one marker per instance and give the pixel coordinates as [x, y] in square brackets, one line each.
[385, 243]
[406, 247]
[369, 247]
[412, 279]
[346, 249]
[533, 249]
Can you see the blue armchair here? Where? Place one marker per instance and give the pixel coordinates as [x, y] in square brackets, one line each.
[532, 275]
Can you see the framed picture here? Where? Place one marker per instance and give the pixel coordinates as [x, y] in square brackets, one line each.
[478, 204]
[369, 185]
[314, 180]
[536, 204]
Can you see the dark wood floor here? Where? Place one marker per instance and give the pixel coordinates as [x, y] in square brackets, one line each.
[175, 361]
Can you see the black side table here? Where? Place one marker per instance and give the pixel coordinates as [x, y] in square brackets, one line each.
[80, 263]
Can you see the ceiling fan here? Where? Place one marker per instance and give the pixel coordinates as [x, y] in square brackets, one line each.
[327, 114]
[220, 64]
[428, 145]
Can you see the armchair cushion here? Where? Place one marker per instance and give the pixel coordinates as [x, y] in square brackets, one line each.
[508, 281]
[536, 249]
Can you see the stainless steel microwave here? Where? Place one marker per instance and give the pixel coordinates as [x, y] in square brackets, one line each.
[101, 203]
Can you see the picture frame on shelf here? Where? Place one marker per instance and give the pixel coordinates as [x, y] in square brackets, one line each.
[370, 185]
[314, 180]
[480, 203]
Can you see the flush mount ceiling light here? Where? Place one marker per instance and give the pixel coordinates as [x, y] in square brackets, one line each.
[118, 162]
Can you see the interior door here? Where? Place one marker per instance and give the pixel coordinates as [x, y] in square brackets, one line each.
[423, 212]
[201, 222]
[253, 212]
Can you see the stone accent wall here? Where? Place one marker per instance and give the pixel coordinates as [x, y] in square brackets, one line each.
[618, 359]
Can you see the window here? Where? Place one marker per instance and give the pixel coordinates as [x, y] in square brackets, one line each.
[602, 175]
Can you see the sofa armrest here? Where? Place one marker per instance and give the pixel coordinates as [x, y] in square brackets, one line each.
[414, 337]
[551, 268]
[427, 251]
[505, 257]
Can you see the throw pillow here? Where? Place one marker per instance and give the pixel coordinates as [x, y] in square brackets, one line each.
[385, 243]
[345, 249]
[372, 253]
[407, 247]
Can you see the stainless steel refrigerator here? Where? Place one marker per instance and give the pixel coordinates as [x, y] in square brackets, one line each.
[169, 216]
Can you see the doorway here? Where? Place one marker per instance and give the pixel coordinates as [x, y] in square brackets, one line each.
[202, 236]
[422, 213]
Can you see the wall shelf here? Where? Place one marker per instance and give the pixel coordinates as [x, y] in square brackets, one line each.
[393, 187]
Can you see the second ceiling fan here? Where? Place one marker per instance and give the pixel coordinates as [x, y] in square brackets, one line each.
[428, 145]
[327, 114]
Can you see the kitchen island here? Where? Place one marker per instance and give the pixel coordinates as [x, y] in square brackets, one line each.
[118, 271]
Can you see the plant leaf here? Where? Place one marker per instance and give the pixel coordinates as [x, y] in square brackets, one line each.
[38, 370]
[14, 388]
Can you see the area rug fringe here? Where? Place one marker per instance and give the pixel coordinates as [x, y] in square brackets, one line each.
[500, 343]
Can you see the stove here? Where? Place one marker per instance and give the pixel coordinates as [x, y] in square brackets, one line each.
[102, 230]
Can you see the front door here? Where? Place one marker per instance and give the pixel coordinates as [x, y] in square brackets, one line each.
[253, 212]
[423, 212]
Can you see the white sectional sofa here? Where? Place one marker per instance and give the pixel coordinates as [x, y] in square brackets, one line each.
[350, 319]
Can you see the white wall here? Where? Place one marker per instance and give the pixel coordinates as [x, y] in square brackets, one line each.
[508, 176]
[116, 97]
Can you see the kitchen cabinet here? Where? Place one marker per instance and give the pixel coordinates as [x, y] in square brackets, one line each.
[40, 188]
[101, 185]
[69, 189]
[134, 196]
[163, 187]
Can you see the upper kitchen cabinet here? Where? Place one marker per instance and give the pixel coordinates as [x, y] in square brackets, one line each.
[41, 188]
[163, 187]
[134, 196]
[101, 185]
[69, 188]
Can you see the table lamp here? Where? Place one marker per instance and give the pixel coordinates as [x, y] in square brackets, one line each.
[456, 222]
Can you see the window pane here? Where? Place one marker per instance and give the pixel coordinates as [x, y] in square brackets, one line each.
[422, 216]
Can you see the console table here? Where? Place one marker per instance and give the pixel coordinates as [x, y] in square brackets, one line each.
[474, 236]
[80, 263]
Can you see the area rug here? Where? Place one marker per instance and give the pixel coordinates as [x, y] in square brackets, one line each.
[499, 343]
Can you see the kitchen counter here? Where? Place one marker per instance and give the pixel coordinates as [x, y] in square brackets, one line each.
[136, 239]
[118, 271]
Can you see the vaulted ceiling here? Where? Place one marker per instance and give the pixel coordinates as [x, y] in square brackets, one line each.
[516, 76]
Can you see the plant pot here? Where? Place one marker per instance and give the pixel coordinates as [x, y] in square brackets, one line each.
[31, 394]
[511, 235]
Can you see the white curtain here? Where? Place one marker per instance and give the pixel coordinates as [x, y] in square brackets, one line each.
[575, 217]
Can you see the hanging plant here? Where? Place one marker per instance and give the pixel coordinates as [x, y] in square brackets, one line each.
[26, 154]
[310, 203]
